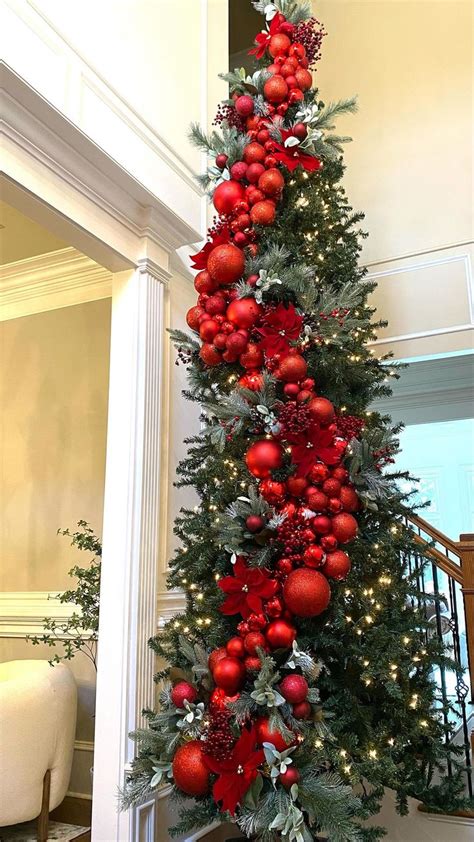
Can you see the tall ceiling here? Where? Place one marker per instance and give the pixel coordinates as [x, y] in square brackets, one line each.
[20, 237]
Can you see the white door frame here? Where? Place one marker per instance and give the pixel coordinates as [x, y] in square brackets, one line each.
[60, 178]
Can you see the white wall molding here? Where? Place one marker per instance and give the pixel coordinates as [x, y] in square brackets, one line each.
[421, 253]
[83, 745]
[22, 612]
[170, 603]
[48, 281]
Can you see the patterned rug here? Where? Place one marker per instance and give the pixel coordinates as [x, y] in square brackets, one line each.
[26, 832]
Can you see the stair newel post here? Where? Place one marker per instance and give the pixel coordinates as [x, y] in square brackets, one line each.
[466, 551]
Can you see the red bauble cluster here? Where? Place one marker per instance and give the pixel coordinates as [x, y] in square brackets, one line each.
[290, 75]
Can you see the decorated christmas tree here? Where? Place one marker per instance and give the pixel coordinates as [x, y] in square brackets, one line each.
[300, 671]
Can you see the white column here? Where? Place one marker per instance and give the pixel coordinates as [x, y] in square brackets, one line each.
[131, 541]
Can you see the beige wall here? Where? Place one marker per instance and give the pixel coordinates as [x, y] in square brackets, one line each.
[409, 167]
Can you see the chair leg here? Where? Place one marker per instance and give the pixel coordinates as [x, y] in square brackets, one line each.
[43, 818]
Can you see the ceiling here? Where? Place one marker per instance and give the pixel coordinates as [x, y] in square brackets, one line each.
[20, 237]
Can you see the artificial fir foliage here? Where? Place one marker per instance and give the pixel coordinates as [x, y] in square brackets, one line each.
[300, 671]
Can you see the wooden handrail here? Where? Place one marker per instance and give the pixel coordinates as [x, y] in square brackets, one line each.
[443, 562]
[435, 534]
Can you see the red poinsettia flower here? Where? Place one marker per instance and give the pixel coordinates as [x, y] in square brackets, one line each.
[263, 38]
[311, 446]
[293, 156]
[236, 774]
[246, 589]
[279, 326]
[199, 260]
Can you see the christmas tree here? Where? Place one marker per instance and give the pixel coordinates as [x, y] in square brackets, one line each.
[300, 671]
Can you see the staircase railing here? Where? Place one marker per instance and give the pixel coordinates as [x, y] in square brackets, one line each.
[450, 576]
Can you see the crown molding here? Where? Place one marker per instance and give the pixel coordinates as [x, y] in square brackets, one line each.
[22, 612]
[48, 281]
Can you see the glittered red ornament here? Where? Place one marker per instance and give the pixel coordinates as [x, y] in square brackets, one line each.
[306, 592]
[337, 565]
[344, 527]
[349, 499]
[279, 43]
[273, 492]
[292, 368]
[226, 263]
[317, 501]
[266, 735]
[190, 772]
[263, 213]
[235, 647]
[332, 487]
[321, 524]
[302, 710]
[340, 473]
[243, 312]
[254, 640]
[319, 473]
[313, 556]
[252, 357]
[254, 153]
[181, 692]
[294, 688]
[203, 283]
[263, 457]
[252, 663]
[296, 485]
[227, 196]
[280, 634]
[321, 410]
[236, 343]
[210, 355]
[304, 79]
[216, 656]
[334, 505]
[271, 182]
[193, 315]
[229, 673]
[252, 175]
[275, 89]
[244, 105]
[289, 777]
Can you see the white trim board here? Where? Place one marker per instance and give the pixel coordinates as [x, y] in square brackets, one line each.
[22, 612]
[48, 281]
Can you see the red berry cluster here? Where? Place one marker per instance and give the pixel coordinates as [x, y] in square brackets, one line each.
[350, 426]
[219, 740]
[310, 33]
[293, 417]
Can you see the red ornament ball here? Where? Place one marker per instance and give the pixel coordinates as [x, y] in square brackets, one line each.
[290, 777]
[279, 43]
[337, 565]
[271, 182]
[296, 485]
[263, 213]
[254, 153]
[208, 330]
[229, 673]
[236, 343]
[321, 524]
[317, 501]
[349, 499]
[306, 592]
[292, 369]
[294, 688]
[302, 710]
[243, 312]
[254, 523]
[193, 315]
[263, 457]
[275, 89]
[273, 492]
[280, 634]
[190, 772]
[332, 487]
[321, 410]
[227, 196]
[252, 357]
[216, 656]
[181, 692]
[210, 355]
[226, 263]
[313, 556]
[329, 543]
[252, 380]
[266, 735]
[244, 105]
[254, 640]
[235, 647]
[252, 175]
[319, 473]
[344, 527]
[304, 79]
[203, 283]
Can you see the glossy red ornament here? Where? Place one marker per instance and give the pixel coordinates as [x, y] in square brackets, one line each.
[263, 457]
[321, 410]
[216, 656]
[181, 692]
[294, 688]
[344, 527]
[208, 329]
[254, 523]
[229, 673]
[349, 499]
[334, 505]
[329, 543]
[321, 524]
[226, 263]
[292, 369]
[254, 640]
[252, 357]
[254, 153]
[243, 312]
[302, 710]
[203, 283]
[340, 473]
[273, 608]
[291, 390]
[257, 622]
[271, 182]
[275, 89]
[227, 196]
[280, 634]
[319, 473]
[306, 592]
[244, 105]
[266, 735]
[190, 772]
[290, 777]
[263, 213]
[313, 556]
[210, 355]
[193, 315]
[284, 566]
[253, 380]
[235, 647]
[273, 492]
[236, 343]
[337, 565]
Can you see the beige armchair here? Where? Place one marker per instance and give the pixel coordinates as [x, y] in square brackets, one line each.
[38, 706]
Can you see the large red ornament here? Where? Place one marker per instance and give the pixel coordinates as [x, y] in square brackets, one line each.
[294, 688]
[306, 592]
[279, 43]
[190, 772]
[181, 692]
[228, 195]
[321, 410]
[226, 263]
[292, 368]
[344, 527]
[243, 312]
[304, 79]
[349, 499]
[266, 735]
[263, 457]
[337, 565]
[317, 501]
[275, 89]
[254, 153]
[280, 634]
[229, 673]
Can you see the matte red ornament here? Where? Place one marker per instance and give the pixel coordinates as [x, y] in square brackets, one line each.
[216, 656]
[337, 565]
[344, 527]
[306, 592]
[321, 524]
[263, 457]
[263, 213]
[275, 89]
[254, 640]
[280, 634]
[210, 355]
[229, 673]
[190, 773]
[226, 263]
[290, 777]
[294, 688]
[292, 368]
[235, 647]
[208, 330]
[349, 499]
[252, 175]
[302, 710]
[271, 182]
[321, 410]
[266, 735]
[181, 692]
[313, 556]
[340, 473]
[236, 343]
[243, 312]
[227, 196]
